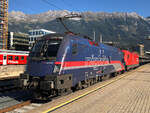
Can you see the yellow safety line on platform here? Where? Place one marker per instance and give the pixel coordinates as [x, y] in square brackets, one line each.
[85, 94]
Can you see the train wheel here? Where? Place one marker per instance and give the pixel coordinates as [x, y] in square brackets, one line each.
[100, 78]
[96, 79]
[79, 85]
[91, 82]
[106, 77]
[119, 73]
[114, 74]
[123, 71]
[65, 91]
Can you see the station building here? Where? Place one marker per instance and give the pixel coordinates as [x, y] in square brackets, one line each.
[36, 33]
[18, 41]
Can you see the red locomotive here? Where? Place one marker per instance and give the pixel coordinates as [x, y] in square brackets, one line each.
[131, 59]
[13, 57]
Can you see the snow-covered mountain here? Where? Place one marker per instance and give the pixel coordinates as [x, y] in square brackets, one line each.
[42, 17]
[51, 15]
[126, 28]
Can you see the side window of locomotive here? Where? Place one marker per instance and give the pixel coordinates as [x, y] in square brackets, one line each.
[22, 58]
[74, 49]
[109, 59]
[16, 58]
[83, 48]
[10, 57]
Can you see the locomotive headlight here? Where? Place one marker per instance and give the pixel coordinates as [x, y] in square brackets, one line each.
[57, 68]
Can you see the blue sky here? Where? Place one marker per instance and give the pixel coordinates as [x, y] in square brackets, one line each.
[141, 7]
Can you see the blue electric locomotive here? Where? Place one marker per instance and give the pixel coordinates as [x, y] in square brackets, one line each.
[60, 62]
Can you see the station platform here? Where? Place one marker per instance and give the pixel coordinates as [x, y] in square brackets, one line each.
[129, 94]
[11, 71]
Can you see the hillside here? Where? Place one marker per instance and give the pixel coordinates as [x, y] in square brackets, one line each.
[126, 29]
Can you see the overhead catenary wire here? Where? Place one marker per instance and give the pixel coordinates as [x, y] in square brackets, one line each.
[51, 4]
[66, 3]
[69, 5]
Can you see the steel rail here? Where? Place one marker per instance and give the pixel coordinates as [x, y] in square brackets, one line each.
[15, 106]
[10, 100]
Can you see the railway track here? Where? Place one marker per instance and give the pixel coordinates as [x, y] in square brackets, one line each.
[7, 84]
[14, 99]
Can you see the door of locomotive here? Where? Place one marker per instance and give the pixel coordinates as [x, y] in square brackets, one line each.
[4, 59]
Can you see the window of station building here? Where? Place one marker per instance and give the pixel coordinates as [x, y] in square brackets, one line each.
[32, 39]
[10, 57]
[22, 58]
[43, 33]
[40, 32]
[33, 33]
[37, 32]
[16, 58]
[30, 33]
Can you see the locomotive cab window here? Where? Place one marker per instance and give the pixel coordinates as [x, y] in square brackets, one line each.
[47, 48]
[74, 49]
[51, 49]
